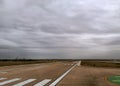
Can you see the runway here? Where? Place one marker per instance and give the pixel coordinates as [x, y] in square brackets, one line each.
[45, 74]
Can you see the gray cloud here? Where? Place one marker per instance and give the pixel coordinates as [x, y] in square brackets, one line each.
[59, 29]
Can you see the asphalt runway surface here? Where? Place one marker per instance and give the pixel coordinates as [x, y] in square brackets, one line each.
[56, 74]
[46, 74]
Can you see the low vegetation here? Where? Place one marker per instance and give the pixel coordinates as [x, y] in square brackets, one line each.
[84, 62]
[99, 63]
[8, 62]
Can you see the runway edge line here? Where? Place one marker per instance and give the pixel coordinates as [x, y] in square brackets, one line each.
[61, 77]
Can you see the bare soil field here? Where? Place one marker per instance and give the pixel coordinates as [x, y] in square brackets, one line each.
[89, 76]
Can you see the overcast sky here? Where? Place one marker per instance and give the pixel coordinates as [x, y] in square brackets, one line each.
[60, 29]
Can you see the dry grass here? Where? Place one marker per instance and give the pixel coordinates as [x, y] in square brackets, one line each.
[29, 61]
[100, 64]
[9, 63]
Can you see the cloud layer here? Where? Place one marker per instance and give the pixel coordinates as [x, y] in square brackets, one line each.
[60, 29]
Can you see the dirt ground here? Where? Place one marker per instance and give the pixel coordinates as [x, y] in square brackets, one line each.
[89, 76]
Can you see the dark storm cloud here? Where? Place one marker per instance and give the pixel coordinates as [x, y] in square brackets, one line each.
[59, 28]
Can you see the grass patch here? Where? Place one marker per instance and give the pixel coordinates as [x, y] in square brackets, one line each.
[114, 79]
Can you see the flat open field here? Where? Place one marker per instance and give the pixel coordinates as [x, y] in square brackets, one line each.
[61, 73]
[23, 62]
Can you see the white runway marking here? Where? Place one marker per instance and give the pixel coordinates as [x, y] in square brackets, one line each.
[42, 83]
[24, 82]
[61, 77]
[3, 72]
[3, 78]
[9, 81]
[79, 63]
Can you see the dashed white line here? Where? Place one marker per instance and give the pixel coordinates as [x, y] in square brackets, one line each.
[24, 82]
[61, 77]
[42, 83]
[3, 78]
[9, 81]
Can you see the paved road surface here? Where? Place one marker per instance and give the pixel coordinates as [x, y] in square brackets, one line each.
[34, 74]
